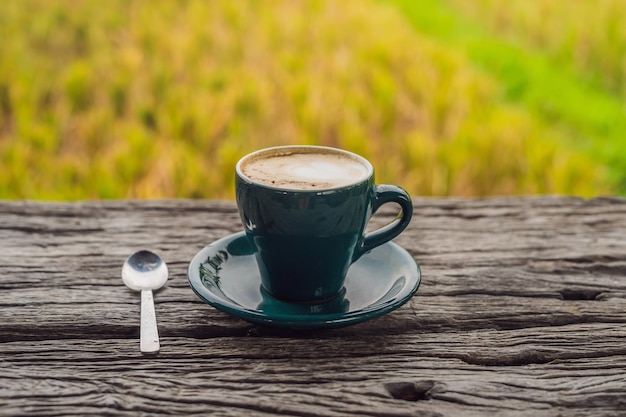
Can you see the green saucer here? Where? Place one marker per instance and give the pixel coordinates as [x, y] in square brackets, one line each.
[225, 275]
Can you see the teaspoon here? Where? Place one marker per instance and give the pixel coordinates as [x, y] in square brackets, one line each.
[145, 271]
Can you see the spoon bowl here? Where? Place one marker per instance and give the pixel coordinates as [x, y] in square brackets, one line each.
[145, 271]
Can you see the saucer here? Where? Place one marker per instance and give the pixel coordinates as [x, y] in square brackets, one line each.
[225, 275]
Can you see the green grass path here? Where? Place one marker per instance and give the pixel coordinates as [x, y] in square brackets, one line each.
[593, 120]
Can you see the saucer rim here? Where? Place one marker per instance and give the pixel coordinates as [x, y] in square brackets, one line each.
[302, 321]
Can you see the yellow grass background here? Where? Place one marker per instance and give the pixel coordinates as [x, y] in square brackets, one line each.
[159, 99]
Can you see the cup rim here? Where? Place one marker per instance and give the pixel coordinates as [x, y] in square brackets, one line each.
[285, 148]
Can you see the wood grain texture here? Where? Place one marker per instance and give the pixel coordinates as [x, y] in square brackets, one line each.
[521, 312]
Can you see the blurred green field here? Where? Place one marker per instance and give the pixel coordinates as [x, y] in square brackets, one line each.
[159, 99]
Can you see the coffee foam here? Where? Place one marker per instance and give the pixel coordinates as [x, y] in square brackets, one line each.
[306, 170]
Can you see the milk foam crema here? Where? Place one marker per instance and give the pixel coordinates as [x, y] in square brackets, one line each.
[305, 170]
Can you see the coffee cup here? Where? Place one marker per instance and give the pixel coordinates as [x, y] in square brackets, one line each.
[305, 210]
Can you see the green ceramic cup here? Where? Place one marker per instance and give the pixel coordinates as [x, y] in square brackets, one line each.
[305, 210]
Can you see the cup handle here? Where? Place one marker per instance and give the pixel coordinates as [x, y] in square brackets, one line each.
[386, 194]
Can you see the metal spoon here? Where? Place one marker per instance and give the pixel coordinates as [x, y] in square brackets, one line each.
[145, 271]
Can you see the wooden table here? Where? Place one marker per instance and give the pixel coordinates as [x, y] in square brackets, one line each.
[521, 311]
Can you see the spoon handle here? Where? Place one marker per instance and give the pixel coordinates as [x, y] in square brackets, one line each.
[149, 334]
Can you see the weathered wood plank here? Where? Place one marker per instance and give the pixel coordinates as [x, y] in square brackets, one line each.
[520, 313]
[263, 374]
